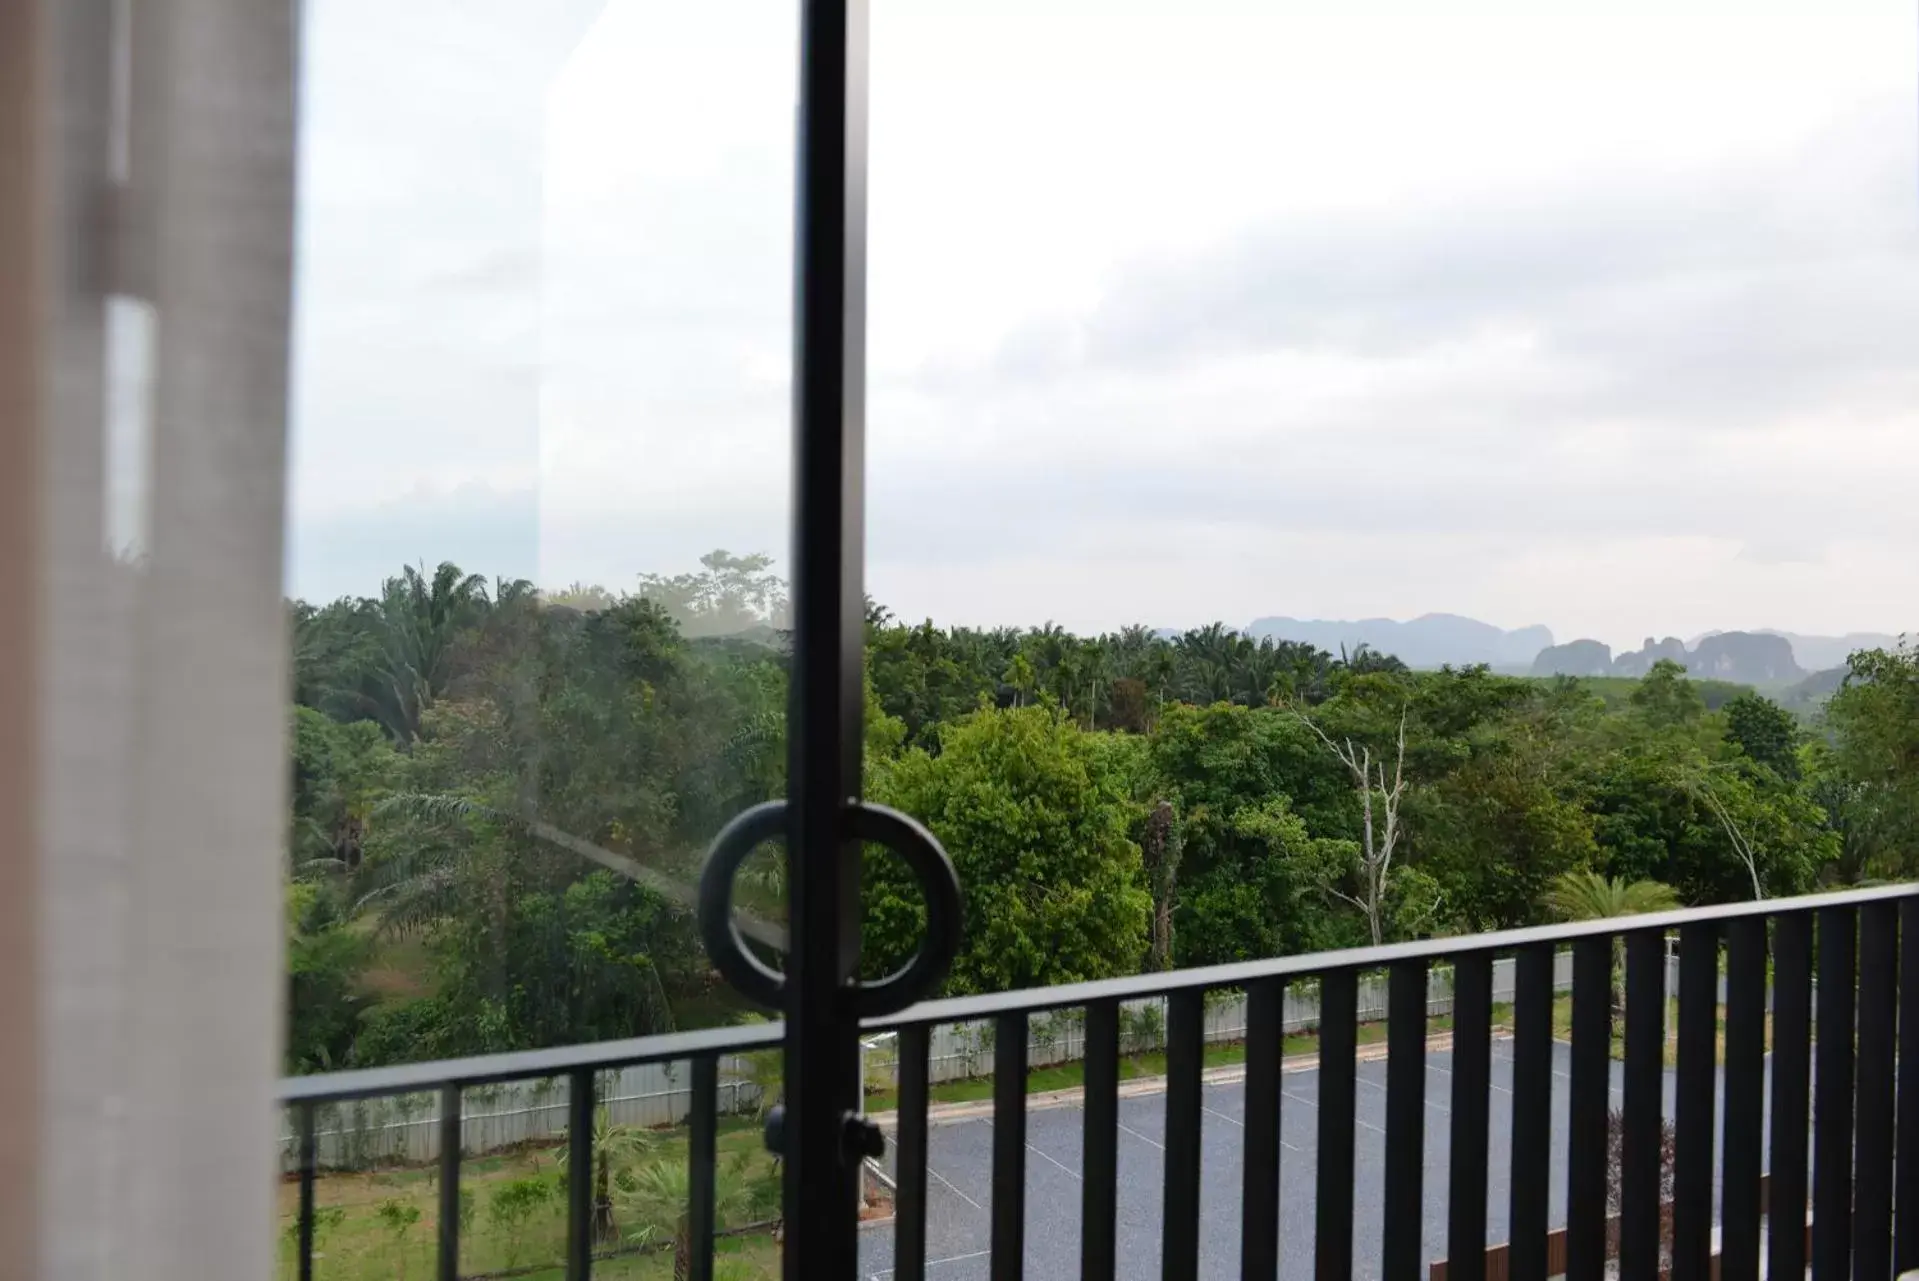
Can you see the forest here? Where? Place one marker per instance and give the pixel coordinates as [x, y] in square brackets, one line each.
[500, 797]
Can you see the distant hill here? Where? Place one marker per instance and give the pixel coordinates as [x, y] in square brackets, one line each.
[1431, 640]
[1575, 658]
[1822, 653]
[1748, 657]
[1812, 692]
[1744, 658]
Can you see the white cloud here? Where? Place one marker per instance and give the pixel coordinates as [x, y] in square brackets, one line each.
[1602, 318]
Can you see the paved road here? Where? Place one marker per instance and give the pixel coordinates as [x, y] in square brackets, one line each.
[960, 1189]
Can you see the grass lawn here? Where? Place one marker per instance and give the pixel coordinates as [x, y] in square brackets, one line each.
[383, 1224]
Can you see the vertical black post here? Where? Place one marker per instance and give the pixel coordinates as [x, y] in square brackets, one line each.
[1745, 1098]
[1405, 1120]
[1693, 1102]
[909, 1165]
[1009, 1148]
[579, 1176]
[1532, 1109]
[1906, 1152]
[309, 1159]
[1791, 1079]
[1588, 1098]
[1832, 1096]
[1259, 1191]
[449, 1262]
[1099, 1197]
[701, 1165]
[824, 716]
[1185, 1041]
[1472, 1081]
[1639, 1161]
[1338, 1051]
[1878, 1010]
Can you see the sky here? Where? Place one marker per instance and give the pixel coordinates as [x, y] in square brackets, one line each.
[1598, 315]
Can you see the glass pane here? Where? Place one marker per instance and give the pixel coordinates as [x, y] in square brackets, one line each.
[540, 513]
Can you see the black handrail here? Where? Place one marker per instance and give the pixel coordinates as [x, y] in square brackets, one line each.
[1842, 1147]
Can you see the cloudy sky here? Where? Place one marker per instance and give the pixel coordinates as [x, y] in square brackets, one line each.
[1601, 315]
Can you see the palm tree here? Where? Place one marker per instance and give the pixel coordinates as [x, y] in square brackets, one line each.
[1588, 896]
[612, 1145]
[417, 624]
[1585, 895]
[662, 1193]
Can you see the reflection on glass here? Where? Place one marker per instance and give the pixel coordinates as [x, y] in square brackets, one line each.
[539, 513]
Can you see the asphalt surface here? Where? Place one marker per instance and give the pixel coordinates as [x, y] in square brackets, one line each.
[960, 1194]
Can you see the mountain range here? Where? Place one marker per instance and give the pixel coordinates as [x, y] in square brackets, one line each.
[1759, 656]
[1431, 640]
[1747, 658]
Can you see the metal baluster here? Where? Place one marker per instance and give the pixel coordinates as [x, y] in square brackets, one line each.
[1532, 1109]
[579, 1176]
[1259, 1194]
[450, 1140]
[1639, 1172]
[1590, 1096]
[1405, 1119]
[1878, 1008]
[1906, 1172]
[1009, 1147]
[1791, 1079]
[909, 1165]
[701, 1159]
[1745, 1098]
[1832, 1097]
[1100, 1189]
[1333, 1222]
[309, 1159]
[1472, 1068]
[1693, 1102]
[1185, 1040]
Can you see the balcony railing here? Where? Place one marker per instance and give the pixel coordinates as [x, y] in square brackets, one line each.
[1819, 987]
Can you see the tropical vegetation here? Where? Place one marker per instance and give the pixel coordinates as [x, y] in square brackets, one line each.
[500, 796]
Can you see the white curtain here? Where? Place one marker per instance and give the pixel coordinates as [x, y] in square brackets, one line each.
[148, 185]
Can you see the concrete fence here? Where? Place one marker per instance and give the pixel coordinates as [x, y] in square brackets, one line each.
[405, 1129]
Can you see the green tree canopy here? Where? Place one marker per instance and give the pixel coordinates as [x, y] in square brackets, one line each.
[1037, 828]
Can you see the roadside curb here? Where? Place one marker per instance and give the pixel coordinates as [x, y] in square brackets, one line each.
[1139, 1086]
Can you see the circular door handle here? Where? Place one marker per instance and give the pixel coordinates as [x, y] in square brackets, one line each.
[863, 821]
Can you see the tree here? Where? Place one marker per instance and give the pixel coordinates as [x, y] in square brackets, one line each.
[1160, 851]
[1377, 841]
[614, 1150]
[1588, 896]
[661, 1194]
[1766, 733]
[1666, 699]
[1036, 823]
[727, 596]
[1874, 718]
[419, 625]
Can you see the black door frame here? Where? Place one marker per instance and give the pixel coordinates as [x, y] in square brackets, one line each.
[825, 713]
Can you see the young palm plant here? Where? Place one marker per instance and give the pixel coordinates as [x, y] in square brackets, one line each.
[1588, 896]
[662, 1194]
[616, 1148]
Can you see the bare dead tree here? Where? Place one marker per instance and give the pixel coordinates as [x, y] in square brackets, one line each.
[1702, 788]
[1379, 838]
